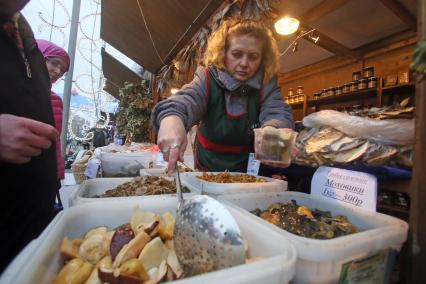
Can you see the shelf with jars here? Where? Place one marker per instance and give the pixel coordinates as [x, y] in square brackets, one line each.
[295, 99]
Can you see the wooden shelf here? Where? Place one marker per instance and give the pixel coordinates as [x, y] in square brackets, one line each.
[367, 93]
[393, 208]
[400, 86]
[297, 105]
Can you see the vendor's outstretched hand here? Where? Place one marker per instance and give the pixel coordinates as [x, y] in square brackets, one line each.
[23, 138]
[172, 140]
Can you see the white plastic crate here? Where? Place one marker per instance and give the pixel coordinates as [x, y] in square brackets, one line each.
[92, 187]
[277, 266]
[320, 261]
[216, 189]
[124, 164]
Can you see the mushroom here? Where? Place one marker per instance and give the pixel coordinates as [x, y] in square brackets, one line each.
[132, 249]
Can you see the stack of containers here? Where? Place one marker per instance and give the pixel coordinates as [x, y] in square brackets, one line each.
[320, 261]
[276, 266]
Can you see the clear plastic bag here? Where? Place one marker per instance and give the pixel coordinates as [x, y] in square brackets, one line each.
[274, 145]
[391, 132]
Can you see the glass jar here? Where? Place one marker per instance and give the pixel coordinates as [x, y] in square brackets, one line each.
[346, 88]
[338, 90]
[368, 72]
[362, 84]
[324, 93]
[354, 86]
[372, 82]
[299, 90]
[290, 92]
[331, 92]
[291, 100]
[317, 96]
[356, 75]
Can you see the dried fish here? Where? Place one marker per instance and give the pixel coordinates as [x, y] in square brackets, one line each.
[324, 137]
[348, 156]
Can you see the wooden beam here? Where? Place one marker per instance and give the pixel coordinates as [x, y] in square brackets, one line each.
[322, 9]
[331, 45]
[376, 48]
[401, 12]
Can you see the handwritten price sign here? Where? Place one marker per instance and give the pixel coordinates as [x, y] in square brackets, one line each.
[343, 186]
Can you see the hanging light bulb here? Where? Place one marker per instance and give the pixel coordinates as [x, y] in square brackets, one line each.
[174, 91]
[287, 25]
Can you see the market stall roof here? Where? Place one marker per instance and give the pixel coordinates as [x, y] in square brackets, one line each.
[342, 26]
[116, 74]
[152, 32]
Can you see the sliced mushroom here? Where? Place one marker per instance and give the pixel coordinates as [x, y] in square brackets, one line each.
[140, 220]
[174, 264]
[167, 225]
[76, 271]
[123, 235]
[132, 249]
[94, 248]
[98, 230]
[153, 254]
[70, 248]
[94, 277]
[106, 275]
[133, 267]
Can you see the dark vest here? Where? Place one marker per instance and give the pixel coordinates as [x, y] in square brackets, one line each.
[223, 140]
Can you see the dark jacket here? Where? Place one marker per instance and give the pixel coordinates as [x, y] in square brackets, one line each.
[27, 190]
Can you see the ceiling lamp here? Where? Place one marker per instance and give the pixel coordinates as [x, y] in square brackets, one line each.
[287, 26]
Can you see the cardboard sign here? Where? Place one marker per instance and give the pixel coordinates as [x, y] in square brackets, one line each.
[92, 168]
[344, 186]
[253, 165]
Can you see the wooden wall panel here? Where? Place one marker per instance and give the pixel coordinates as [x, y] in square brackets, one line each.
[320, 77]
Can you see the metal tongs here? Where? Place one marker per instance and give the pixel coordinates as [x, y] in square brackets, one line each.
[178, 186]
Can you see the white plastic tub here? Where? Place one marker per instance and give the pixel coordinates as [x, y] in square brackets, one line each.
[92, 187]
[216, 189]
[320, 261]
[124, 164]
[46, 261]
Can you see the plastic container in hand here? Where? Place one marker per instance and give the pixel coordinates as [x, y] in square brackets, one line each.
[215, 188]
[274, 145]
[277, 265]
[90, 188]
[320, 261]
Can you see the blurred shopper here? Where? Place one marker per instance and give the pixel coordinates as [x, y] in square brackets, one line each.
[57, 62]
[27, 135]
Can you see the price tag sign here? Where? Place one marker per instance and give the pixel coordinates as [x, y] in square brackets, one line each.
[92, 168]
[253, 165]
[376, 268]
[344, 186]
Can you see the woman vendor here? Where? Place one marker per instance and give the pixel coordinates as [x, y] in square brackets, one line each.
[234, 94]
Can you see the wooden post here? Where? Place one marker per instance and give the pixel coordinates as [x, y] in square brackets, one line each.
[156, 99]
[417, 234]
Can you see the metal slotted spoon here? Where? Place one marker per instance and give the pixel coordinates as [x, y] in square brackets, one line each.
[206, 236]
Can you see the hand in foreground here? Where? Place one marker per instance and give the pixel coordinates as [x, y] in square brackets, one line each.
[23, 138]
[172, 141]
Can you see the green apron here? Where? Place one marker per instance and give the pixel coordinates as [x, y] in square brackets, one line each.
[224, 141]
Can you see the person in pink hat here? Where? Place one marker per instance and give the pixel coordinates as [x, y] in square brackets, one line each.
[57, 62]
